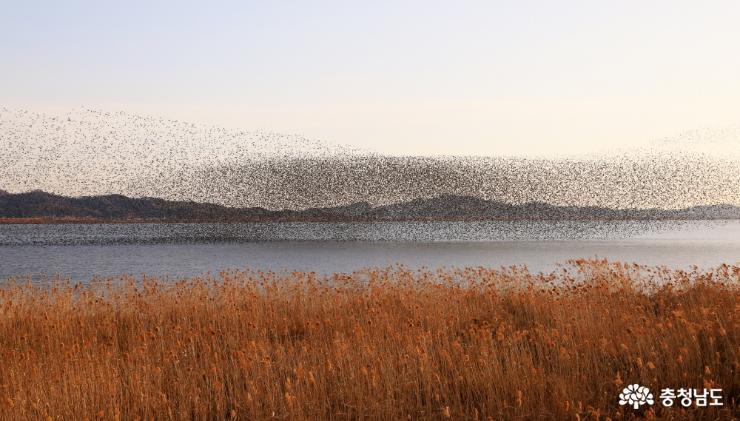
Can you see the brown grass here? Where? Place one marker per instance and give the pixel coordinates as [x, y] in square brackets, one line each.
[377, 344]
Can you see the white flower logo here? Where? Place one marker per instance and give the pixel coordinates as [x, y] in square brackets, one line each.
[635, 395]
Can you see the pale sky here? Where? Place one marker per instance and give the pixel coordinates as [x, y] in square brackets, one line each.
[399, 77]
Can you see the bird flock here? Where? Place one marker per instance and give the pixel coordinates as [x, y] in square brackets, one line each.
[92, 152]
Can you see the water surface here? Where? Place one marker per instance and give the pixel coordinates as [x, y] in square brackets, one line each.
[176, 250]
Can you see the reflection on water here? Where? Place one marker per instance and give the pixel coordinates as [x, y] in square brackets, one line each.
[79, 251]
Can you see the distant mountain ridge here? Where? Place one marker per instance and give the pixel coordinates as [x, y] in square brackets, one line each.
[46, 206]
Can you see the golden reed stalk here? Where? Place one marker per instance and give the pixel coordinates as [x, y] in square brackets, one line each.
[390, 343]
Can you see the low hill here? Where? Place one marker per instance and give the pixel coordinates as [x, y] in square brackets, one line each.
[39, 205]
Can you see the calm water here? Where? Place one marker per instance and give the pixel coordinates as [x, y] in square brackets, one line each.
[79, 251]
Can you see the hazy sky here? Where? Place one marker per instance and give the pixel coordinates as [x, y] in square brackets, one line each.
[401, 77]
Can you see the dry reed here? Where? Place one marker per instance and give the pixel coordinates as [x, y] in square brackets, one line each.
[388, 343]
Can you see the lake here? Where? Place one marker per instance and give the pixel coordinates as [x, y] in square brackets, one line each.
[175, 250]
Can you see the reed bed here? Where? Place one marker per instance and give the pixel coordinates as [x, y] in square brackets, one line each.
[390, 343]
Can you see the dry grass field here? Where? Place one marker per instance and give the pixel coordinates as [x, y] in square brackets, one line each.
[391, 344]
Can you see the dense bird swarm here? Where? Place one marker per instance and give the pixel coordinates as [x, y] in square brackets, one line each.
[88, 152]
